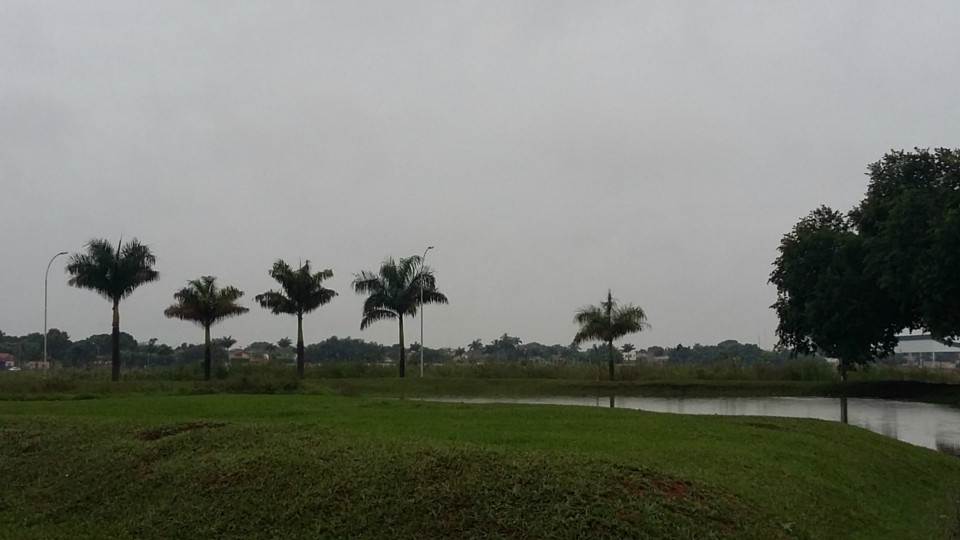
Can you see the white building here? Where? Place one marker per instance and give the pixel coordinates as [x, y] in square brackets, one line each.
[924, 351]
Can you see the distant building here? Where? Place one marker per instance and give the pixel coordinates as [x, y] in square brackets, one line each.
[7, 361]
[644, 357]
[657, 360]
[238, 354]
[263, 358]
[923, 351]
[243, 355]
[39, 364]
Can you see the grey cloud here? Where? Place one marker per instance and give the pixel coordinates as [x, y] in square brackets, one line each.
[549, 150]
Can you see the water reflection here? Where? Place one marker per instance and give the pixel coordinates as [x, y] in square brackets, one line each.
[948, 447]
[923, 424]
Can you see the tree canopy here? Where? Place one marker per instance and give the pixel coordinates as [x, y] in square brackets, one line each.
[826, 300]
[848, 284]
[910, 223]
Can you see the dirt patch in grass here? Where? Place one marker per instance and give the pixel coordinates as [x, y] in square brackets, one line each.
[764, 425]
[167, 431]
[673, 489]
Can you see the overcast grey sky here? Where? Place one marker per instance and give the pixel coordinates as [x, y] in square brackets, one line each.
[549, 150]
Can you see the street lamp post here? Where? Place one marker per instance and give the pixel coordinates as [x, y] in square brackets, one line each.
[423, 265]
[46, 277]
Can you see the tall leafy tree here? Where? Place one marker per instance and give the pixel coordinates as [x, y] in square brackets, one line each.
[394, 292]
[847, 285]
[204, 303]
[334, 349]
[59, 343]
[607, 322]
[301, 292]
[910, 225]
[827, 302]
[113, 274]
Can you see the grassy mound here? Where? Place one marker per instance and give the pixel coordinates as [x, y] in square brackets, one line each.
[212, 479]
[311, 466]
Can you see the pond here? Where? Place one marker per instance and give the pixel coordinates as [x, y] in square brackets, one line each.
[922, 424]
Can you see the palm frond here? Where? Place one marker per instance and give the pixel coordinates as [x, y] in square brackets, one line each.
[594, 329]
[302, 291]
[92, 270]
[276, 302]
[226, 304]
[202, 302]
[374, 315]
[408, 267]
[587, 314]
[431, 296]
[391, 274]
[396, 288]
[607, 321]
[627, 320]
[112, 273]
[367, 282]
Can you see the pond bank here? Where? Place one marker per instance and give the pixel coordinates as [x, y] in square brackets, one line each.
[17, 387]
[945, 394]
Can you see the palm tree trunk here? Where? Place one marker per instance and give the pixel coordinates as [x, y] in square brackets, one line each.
[300, 345]
[403, 355]
[115, 342]
[610, 356]
[206, 353]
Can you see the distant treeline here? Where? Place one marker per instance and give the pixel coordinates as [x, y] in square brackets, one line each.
[87, 351]
[506, 348]
[729, 350]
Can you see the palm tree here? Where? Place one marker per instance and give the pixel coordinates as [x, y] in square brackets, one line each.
[475, 348]
[607, 322]
[225, 342]
[395, 292]
[285, 353]
[301, 292]
[202, 302]
[113, 274]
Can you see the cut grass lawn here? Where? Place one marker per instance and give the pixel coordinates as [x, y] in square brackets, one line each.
[309, 466]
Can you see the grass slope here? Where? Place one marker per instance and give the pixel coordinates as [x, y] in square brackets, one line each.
[228, 481]
[296, 466]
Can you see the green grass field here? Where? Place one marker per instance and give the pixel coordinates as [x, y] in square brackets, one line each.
[326, 465]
